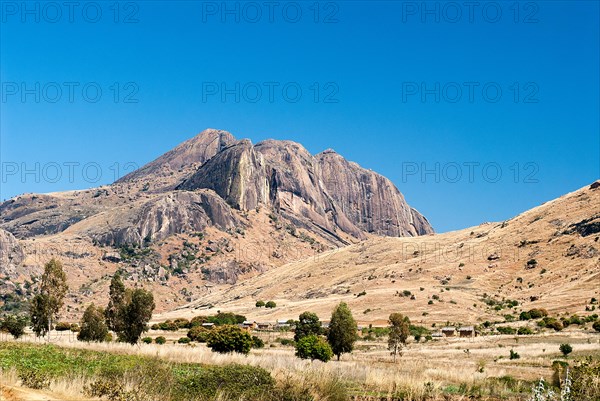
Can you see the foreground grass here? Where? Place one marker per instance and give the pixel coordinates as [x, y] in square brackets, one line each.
[124, 375]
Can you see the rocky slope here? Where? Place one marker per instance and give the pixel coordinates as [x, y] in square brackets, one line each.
[178, 222]
[547, 257]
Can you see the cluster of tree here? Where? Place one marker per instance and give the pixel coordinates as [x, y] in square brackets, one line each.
[313, 342]
[268, 304]
[127, 313]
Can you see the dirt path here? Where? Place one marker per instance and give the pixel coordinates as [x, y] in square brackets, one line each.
[10, 393]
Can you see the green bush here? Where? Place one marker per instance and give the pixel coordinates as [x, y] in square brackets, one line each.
[551, 323]
[313, 347]
[62, 326]
[184, 340]
[271, 304]
[257, 342]
[260, 304]
[524, 331]
[147, 340]
[15, 325]
[198, 334]
[566, 349]
[596, 326]
[160, 340]
[228, 338]
[506, 330]
[514, 355]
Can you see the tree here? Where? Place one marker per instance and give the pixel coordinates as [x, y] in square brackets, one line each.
[46, 306]
[260, 304]
[399, 332]
[566, 349]
[199, 334]
[308, 323]
[270, 304]
[137, 312]
[596, 326]
[116, 304]
[92, 325]
[313, 347]
[128, 311]
[15, 325]
[342, 330]
[225, 339]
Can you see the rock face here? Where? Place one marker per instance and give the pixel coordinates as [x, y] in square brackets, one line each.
[11, 253]
[214, 180]
[324, 191]
[194, 151]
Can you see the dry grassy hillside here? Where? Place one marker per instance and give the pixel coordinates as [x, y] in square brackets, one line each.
[448, 275]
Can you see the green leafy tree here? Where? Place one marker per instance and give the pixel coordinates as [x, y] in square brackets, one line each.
[46, 305]
[128, 311]
[15, 325]
[342, 330]
[399, 326]
[270, 304]
[225, 339]
[596, 326]
[92, 325]
[566, 349]
[115, 320]
[137, 312]
[313, 347]
[308, 323]
[260, 304]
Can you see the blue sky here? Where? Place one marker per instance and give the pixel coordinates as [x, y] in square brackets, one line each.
[475, 114]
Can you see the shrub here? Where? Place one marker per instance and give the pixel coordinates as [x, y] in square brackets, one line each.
[514, 355]
[62, 326]
[75, 328]
[257, 342]
[313, 347]
[228, 338]
[160, 340]
[184, 340]
[260, 304]
[15, 325]
[182, 323]
[147, 340]
[270, 304]
[524, 331]
[538, 313]
[566, 349]
[524, 316]
[551, 323]
[286, 342]
[506, 330]
[596, 326]
[198, 334]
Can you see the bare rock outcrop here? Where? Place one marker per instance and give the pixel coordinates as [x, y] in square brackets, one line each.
[11, 254]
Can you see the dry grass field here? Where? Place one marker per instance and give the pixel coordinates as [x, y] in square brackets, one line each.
[428, 369]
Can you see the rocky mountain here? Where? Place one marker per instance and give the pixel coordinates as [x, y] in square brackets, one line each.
[184, 216]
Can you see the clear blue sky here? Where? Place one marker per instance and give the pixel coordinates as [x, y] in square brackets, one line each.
[368, 60]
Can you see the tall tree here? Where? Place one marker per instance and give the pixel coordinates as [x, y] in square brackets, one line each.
[308, 323]
[399, 332]
[116, 304]
[46, 305]
[137, 312]
[342, 330]
[92, 325]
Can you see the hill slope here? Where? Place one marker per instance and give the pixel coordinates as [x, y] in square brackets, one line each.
[546, 257]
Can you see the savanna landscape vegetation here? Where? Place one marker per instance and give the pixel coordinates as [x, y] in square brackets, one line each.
[170, 285]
